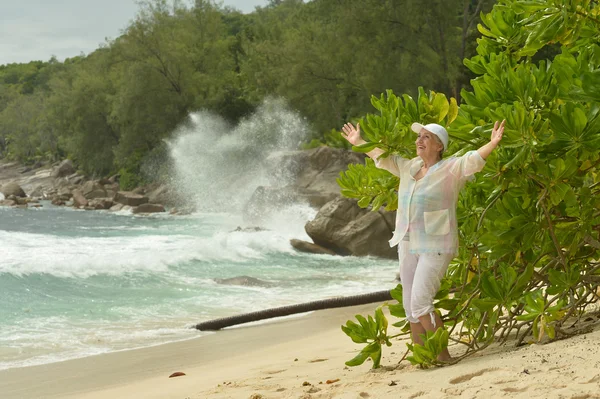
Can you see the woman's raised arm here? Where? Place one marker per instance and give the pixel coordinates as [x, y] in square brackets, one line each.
[352, 134]
[497, 132]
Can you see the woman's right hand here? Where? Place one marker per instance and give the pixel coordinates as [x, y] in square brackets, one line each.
[352, 134]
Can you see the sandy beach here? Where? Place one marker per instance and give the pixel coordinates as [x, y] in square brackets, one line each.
[303, 357]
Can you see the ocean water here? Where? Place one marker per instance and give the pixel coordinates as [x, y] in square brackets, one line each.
[76, 283]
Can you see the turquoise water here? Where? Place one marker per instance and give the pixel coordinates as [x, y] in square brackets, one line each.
[76, 283]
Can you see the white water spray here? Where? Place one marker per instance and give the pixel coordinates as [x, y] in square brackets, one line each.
[218, 166]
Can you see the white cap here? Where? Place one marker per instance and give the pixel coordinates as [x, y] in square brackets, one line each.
[434, 128]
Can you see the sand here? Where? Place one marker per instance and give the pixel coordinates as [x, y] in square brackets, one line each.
[295, 358]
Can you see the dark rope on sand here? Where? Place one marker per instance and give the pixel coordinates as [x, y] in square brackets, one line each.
[331, 303]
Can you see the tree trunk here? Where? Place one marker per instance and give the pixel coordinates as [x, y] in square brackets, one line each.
[331, 303]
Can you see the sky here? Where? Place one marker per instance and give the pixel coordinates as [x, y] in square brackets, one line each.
[39, 29]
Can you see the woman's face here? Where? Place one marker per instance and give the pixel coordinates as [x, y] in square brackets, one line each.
[428, 145]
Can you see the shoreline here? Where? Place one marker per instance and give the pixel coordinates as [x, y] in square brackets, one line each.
[294, 358]
[96, 374]
[200, 335]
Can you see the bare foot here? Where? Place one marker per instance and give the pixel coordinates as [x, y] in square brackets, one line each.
[445, 357]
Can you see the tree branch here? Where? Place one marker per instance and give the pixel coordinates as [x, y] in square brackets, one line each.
[553, 235]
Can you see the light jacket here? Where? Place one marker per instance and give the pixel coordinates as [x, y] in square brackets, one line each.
[427, 207]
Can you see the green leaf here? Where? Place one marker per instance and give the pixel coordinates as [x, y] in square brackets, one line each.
[579, 121]
[376, 356]
[367, 147]
[493, 319]
[452, 111]
[411, 107]
[355, 332]
[378, 202]
[517, 159]
[369, 330]
[396, 293]
[358, 359]
[440, 106]
[447, 304]
[433, 344]
[373, 350]
[527, 317]
[364, 202]
[524, 279]
[381, 320]
[490, 287]
[485, 304]
[366, 326]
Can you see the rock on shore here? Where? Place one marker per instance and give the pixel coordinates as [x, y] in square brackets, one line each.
[340, 226]
[64, 186]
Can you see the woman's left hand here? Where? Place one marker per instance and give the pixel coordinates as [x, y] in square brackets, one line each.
[497, 132]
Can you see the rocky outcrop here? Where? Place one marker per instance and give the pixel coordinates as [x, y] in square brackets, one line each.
[311, 175]
[63, 186]
[65, 168]
[139, 191]
[129, 198]
[91, 189]
[160, 194]
[79, 200]
[10, 189]
[17, 202]
[38, 192]
[99, 204]
[309, 247]
[99, 189]
[246, 281]
[117, 207]
[340, 227]
[314, 170]
[76, 178]
[29, 178]
[64, 193]
[343, 227]
[149, 208]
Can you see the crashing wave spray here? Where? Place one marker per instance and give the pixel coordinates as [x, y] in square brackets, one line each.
[218, 167]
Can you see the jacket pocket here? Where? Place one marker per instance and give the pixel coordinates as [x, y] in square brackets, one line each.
[437, 223]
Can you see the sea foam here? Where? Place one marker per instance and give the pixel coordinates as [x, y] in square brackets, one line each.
[85, 256]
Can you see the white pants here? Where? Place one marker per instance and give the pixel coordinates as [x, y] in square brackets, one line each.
[420, 276]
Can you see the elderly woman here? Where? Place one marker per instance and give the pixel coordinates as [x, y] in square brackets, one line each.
[426, 229]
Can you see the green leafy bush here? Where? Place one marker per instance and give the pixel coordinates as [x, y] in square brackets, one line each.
[128, 180]
[530, 222]
[373, 332]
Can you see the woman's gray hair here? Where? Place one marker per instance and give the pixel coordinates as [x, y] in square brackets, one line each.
[441, 153]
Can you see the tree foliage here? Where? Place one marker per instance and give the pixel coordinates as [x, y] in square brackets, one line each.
[111, 110]
[529, 224]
